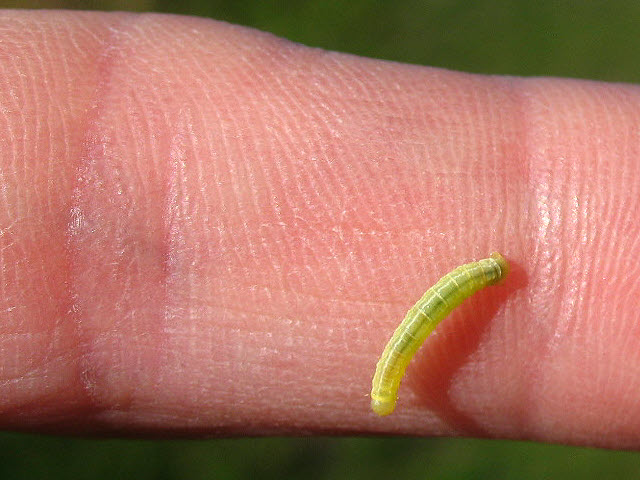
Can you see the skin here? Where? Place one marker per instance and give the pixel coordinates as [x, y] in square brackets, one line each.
[208, 230]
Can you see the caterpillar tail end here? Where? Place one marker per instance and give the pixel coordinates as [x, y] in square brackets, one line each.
[502, 263]
[382, 407]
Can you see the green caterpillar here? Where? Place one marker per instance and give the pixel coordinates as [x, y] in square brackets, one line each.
[436, 303]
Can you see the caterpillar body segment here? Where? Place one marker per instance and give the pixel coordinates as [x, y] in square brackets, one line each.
[436, 303]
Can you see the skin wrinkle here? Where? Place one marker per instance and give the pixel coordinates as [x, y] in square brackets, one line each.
[175, 205]
[76, 227]
[107, 357]
[563, 225]
[177, 271]
[223, 340]
[538, 216]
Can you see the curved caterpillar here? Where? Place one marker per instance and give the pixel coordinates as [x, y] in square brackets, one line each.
[436, 303]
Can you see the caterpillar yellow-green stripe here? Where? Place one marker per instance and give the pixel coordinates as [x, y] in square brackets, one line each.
[436, 303]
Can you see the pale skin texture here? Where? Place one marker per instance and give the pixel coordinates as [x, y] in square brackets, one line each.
[208, 230]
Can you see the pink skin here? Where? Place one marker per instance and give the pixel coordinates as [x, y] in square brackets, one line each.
[206, 229]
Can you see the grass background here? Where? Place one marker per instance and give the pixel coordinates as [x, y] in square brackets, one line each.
[595, 39]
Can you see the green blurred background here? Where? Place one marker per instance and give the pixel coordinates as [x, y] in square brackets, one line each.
[587, 39]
